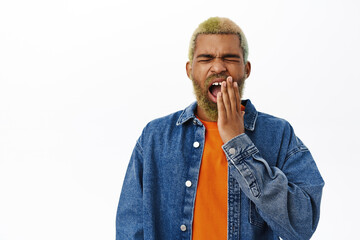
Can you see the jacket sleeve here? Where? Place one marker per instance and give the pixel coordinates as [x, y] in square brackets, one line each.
[129, 218]
[287, 197]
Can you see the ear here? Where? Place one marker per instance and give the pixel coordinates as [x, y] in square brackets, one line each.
[188, 69]
[247, 69]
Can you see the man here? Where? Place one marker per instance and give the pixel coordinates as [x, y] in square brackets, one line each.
[219, 169]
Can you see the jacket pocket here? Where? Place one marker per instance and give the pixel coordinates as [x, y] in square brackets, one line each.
[254, 216]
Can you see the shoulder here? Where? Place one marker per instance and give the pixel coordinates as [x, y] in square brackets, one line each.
[274, 127]
[279, 128]
[268, 127]
[262, 122]
[255, 120]
[163, 122]
[160, 129]
[272, 121]
[171, 121]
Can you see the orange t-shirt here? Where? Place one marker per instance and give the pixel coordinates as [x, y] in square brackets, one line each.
[210, 213]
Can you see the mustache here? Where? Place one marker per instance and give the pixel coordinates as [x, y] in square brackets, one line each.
[217, 75]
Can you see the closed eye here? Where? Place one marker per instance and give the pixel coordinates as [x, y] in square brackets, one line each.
[232, 59]
[205, 58]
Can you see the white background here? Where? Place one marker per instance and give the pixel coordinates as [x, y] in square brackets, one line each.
[80, 79]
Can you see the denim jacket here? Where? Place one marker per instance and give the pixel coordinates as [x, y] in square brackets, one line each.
[274, 186]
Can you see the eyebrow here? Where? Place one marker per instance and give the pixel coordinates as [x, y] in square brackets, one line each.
[205, 56]
[229, 55]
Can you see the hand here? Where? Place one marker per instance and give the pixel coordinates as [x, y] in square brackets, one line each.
[230, 117]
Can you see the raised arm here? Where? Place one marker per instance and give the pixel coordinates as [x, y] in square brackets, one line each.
[288, 196]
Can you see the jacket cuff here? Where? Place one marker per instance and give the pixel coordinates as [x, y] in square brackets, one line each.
[239, 148]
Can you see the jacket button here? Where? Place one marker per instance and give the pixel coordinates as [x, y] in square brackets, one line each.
[232, 151]
[196, 144]
[183, 228]
[188, 183]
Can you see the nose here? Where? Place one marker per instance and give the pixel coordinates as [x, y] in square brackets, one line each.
[218, 66]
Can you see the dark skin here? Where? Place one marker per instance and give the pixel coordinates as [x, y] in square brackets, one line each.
[221, 54]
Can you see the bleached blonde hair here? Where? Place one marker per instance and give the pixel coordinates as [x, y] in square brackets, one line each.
[218, 25]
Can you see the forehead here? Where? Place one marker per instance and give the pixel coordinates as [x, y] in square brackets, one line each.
[217, 44]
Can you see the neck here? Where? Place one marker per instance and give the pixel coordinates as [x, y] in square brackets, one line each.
[202, 115]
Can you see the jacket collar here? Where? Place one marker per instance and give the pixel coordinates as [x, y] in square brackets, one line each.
[249, 118]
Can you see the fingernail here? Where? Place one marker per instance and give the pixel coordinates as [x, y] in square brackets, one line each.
[235, 84]
[230, 79]
[223, 84]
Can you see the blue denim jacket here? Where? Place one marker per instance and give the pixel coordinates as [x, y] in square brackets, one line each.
[274, 186]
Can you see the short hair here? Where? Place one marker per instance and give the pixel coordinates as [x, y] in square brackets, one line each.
[218, 25]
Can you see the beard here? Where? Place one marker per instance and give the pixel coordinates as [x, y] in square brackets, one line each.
[203, 101]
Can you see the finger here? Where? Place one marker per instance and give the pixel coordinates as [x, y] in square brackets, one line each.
[231, 92]
[238, 99]
[220, 106]
[225, 97]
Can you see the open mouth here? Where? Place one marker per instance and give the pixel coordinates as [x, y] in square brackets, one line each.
[214, 89]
